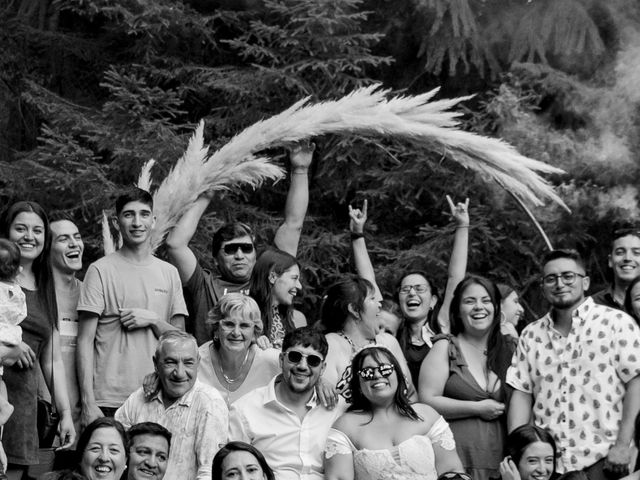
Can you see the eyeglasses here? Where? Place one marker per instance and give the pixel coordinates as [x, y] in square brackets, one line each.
[422, 288]
[231, 248]
[384, 369]
[294, 356]
[567, 278]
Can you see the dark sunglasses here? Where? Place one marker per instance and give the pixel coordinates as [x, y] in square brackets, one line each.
[294, 356]
[368, 373]
[231, 248]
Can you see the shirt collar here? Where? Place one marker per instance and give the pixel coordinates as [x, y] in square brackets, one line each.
[183, 401]
[580, 313]
[270, 397]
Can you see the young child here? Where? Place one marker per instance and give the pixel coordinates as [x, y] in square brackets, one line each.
[13, 309]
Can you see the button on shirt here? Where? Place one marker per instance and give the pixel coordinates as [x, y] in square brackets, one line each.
[578, 381]
[198, 422]
[292, 447]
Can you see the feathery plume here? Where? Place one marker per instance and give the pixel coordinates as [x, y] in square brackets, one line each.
[108, 244]
[144, 179]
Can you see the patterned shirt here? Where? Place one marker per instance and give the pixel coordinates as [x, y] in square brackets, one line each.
[198, 422]
[578, 382]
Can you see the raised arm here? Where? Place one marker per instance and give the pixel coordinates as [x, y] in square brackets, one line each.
[288, 235]
[178, 251]
[364, 267]
[457, 261]
[433, 377]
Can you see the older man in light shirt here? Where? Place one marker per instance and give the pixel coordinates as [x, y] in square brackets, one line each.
[194, 413]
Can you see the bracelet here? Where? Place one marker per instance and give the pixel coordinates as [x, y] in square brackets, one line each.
[296, 171]
[355, 236]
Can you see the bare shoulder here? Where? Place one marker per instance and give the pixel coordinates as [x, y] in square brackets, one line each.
[428, 414]
[349, 423]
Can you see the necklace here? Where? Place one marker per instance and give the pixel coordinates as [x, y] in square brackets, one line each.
[354, 349]
[232, 380]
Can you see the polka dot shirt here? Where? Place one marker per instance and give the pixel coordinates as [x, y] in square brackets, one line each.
[578, 381]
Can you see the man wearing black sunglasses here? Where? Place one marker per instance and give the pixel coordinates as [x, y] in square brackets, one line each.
[285, 420]
[233, 247]
[624, 262]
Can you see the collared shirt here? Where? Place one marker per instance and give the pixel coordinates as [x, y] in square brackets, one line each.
[427, 335]
[605, 297]
[293, 447]
[578, 382]
[198, 422]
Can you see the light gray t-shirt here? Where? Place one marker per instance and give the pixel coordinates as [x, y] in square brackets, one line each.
[123, 357]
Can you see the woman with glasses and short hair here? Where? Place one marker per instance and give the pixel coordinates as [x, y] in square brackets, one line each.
[382, 435]
[463, 376]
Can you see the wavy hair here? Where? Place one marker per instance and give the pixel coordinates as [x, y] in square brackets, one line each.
[360, 402]
[350, 291]
[234, 304]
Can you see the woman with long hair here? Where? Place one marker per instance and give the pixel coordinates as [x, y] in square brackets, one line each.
[511, 310]
[274, 284]
[27, 225]
[240, 460]
[632, 299]
[531, 454]
[349, 320]
[382, 435]
[463, 376]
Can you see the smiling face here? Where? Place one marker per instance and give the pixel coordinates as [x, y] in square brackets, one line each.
[148, 457]
[415, 306]
[104, 458]
[379, 389]
[236, 333]
[285, 286]
[241, 465]
[135, 223]
[624, 258]
[536, 462]
[236, 265]
[28, 231]
[476, 309]
[66, 247]
[177, 368]
[300, 377]
[511, 308]
[560, 295]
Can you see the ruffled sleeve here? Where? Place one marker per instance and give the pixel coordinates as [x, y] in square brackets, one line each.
[440, 434]
[338, 444]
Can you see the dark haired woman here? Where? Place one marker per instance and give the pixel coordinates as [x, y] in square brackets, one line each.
[383, 436]
[239, 460]
[531, 454]
[27, 225]
[463, 376]
[632, 299]
[275, 282]
[422, 316]
[349, 320]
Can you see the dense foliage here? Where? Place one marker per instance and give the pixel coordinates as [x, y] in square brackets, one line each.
[90, 90]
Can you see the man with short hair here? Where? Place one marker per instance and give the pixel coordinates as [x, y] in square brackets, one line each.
[194, 413]
[149, 445]
[128, 299]
[576, 372]
[233, 247]
[284, 419]
[624, 262]
[65, 258]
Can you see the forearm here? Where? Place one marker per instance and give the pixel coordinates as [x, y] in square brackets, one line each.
[451, 408]
[55, 378]
[160, 326]
[519, 411]
[185, 228]
[288, 235]
[456, 272]
[364, 267]
[84, 368]
[630, 408]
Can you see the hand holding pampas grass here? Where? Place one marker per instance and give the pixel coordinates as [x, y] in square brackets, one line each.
[366, 111]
